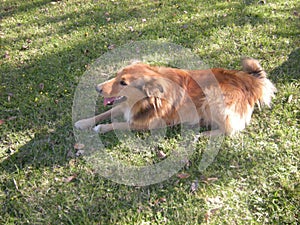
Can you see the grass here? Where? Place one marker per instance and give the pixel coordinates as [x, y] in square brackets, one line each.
[46, 46]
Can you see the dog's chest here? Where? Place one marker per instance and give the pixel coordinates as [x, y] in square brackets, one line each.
[127, 114]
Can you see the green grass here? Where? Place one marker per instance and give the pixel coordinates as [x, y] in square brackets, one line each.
[46, 46]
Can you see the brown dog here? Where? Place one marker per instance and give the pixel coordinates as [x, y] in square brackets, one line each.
[155, 97]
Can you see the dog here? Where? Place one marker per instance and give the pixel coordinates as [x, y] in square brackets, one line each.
[152, 97]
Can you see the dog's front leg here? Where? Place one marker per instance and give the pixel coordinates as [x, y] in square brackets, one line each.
[104, 128]
[90, 122]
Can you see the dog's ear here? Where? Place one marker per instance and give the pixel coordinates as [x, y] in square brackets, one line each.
[154, 89]
[163, 89]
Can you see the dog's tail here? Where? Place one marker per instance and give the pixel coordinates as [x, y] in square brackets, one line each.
[252, 66]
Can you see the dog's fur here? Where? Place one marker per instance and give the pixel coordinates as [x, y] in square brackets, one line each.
[157, 97]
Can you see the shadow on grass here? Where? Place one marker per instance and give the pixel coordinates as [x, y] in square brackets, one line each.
[52, 149]
[289, 70]
[11, 8]
[52, 144]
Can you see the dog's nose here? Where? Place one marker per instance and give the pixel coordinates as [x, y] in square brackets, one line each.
[99, 89]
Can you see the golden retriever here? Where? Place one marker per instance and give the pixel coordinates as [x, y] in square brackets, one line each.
[151, 97]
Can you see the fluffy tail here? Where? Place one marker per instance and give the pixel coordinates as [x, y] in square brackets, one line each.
[252, 66]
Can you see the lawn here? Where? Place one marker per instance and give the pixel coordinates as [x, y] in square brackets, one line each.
[47, 47]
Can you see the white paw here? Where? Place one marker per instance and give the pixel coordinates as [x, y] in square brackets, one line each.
[102, 128]
[97, 128]
[84, 124]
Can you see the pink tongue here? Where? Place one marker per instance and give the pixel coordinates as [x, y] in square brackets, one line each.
[108, 101]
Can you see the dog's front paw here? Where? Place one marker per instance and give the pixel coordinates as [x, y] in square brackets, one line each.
[102, 128]
[84, 124]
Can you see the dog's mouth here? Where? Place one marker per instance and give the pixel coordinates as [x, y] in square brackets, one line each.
[113, 100]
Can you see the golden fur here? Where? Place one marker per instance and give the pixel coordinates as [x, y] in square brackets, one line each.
[160, 96]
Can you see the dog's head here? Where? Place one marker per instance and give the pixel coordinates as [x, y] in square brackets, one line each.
[136, 82]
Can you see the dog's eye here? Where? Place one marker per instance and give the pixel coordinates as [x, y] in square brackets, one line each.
[123, 83]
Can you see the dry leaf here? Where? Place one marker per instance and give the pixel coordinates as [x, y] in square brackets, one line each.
[183, 175]
[1, 122]
[208, 180]
[70, 178]
[25, 47]
[212, 179]
[161, 154]
[78, 146]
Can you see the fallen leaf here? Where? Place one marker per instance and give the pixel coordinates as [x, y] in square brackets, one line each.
[1, 122]
[78, 146]
[161, 154]
[208, 180]
[25, 47]
[212, 179]
[162, 199]
[70, 178]
[183, 175]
